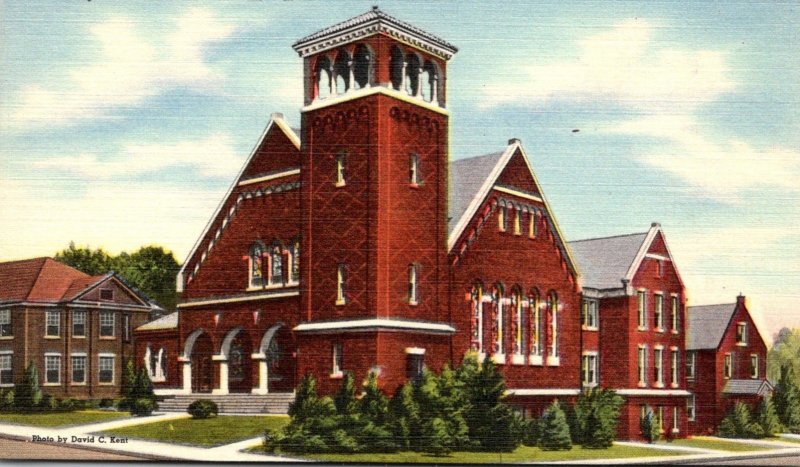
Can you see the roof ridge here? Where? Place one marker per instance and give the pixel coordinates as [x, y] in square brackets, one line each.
[712, 304]
[469, 158]
[606, 238]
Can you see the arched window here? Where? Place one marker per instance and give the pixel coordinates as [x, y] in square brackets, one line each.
[552, 302]
[295, 259]
[412, 75]
[276, 263]
[535, 318]
[498, 305]
[256, 265]
[341, 72]
[476, 302]
[430, 82]
[322, 73]
[518, 324]
[397, 68]
[362, 67]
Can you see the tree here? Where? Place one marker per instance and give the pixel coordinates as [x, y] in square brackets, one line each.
[128, 390]
[489, 419]
[374, 406]
[787, 399]
[345, 398]
[784, 352]
[27, 395]
[554, 430]
[596, 415]
[767, 418]
[738, 423]
[650, 425]
[92, 262]
[404, 419]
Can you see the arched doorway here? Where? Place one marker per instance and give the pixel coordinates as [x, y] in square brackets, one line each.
[202, 370]
[240, 377]
[278, 355]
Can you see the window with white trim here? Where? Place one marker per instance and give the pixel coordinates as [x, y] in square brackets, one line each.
[413, 287]
[105, 369]
[660, 418]
[727, 369]
[589, 318]
[256, 265]
[642, 365]
[532, 227]
[5, 323]
[476, 297]
[502, 218]
[536, 324]
[673, 360]
[79, 369]
[589, 369]
[554, 348]
[499, 306]
[276, 268]
[691, 359]
[741, 333]
[341, 280]
[415, 366]
[52, 369]
[641, 305]
[337, 354]
[675, 314]
[414, 170]
[517, 222]
[659, 312]
[754, 366]
[107, 324]
[519, 321]
[53, 323]
[295, 259]
[690, 408]
[341, 160]
[675, 414]
[658, 366]
[6, 371]
[78, 323]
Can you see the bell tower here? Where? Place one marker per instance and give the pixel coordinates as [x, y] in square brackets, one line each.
[374, 200]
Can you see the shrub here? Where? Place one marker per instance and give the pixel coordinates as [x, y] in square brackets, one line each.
[202, 408]
[143, 407]
[787, 400]
[767, 418]
[48, 403]
[106, 403]
[738, 424]
[594, 418]
[554, 429]
[68, 404]
[650, 426]
[489, 419]
[7, 402]
[28, 395]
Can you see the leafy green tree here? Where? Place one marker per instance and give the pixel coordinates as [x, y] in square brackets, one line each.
[785, 351]
[738, 423]
[767, 418]
[554, 429]
[786, 398]
[650, 425]
[28, 395]
[92, 262]
[596, 415]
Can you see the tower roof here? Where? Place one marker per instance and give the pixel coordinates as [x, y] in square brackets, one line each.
[373, 22]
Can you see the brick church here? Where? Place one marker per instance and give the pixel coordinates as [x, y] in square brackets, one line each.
[354, 244]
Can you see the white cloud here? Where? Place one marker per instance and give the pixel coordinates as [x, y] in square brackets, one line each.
[624, 64]
[212, 157]
[131, 68]
[720, 169]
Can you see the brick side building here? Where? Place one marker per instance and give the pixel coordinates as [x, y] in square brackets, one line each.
[76, 328]
[726, 362]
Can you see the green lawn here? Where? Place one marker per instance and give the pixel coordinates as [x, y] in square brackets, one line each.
[721, 445]
[209, 432]
[522, 454]
[786, 439]
[55, 419]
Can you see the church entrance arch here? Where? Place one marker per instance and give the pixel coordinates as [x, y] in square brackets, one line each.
[238, 349]
[199, 350]
[277, 351]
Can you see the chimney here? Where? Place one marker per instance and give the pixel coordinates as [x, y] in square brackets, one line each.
[740, 299]
[655, 224]
[276, 116]
[514, 141]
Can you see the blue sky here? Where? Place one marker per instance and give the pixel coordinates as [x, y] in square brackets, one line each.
[124, 123]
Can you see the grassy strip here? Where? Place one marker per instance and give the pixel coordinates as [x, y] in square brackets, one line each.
[521, 454]
[59, 419]
[720, 445]
[208, 432]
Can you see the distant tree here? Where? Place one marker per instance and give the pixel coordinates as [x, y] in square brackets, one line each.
[28, 395]
[554, 430]
[784, 352]
[786, 398]
[767, 418]
[92, 262]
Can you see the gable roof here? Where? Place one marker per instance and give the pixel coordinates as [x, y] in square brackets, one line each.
[758, 387]
[469, 191]
[372, 21]
[606, 261]
[276, 121]
[706, 325]
[166, 322]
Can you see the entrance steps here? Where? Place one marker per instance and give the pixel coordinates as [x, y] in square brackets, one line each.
[274, 403]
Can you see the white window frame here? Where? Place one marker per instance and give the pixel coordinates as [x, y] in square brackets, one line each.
[589, 369]
[754, 366]
[727, 366]
[100, 359]
[414, 170]
[477, 310]
[674, 361]
[658, 366]
[101, 324]
[413, 284]
[675, 414]
[501, 218]
[658, 311]
[532, 227]
[6, 324]
[81, 321]
[52, 318]
[676, 307]
[553, 357]
[337, 360]
[641, 309]
[254, 282]
[691, 408]
[641, 362]
[341, 287]
[691, 364]
[741, 333]
[499, 355]
[48, 358]
[590, 314]
[517, 222]
[7, 367]
[518, 356]
[73, 358]
[341, 167]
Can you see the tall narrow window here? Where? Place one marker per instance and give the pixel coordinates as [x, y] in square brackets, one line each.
[675, 314]
[6, 371]
[659, 312]
[553, 299]
[296, 260]
[690, 408]
[340, 169]
[498, 299]
[337, 366]
[323, 78]
[501, 218]
[519, 326]
[106, 369]
[126, 327]
[341, 279]
[690, 364]
[415, 365]
[673, 365]
[106, 324]
[658, 366]
[727, 370]
[413, 292]
[589, 369]
[52, 369]
[477, 317]
[660, 268]
[533, 229]
[257, 265]
[362, 67]
[675, 419]
[5, 323]
[276, 263]
[741, 334]
[660, 418]
[414, 170]
[642, 365]
[536, 325]
[53, 322]
[79, 369]
[589, 318]
[754, 366]
[78, 323]
[517, 222]
[641, 305]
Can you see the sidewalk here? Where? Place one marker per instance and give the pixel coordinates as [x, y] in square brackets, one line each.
[149, 449]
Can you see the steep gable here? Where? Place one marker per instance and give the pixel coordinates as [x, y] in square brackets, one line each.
[707, 325]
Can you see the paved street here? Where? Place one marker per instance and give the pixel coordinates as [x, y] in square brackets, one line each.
[25, 450]
[782, 460]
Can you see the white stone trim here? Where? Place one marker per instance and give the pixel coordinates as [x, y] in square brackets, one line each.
[76, 354]
[374, 324]
[108, 355]
[415, 351]
[219, 301]
[535, 360]
[657, 256]
[542, 392]
[517, 359]
[652, 392]
[553, 361]
[364, 92]
[265, 178]
[518, 193]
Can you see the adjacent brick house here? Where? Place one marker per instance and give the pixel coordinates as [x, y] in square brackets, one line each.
[76, 328]
[726, 362]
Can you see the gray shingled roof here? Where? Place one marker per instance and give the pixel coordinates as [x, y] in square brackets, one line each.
[375, 15]
[747, 386]
[169, 321]
[466, 178]
[604, 262]
[707, 325]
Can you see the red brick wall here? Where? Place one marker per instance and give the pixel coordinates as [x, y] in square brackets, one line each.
[169, 341]
[629, 425]
[616, 353]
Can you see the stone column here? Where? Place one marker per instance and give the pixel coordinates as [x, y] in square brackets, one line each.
[223, 374]
[261, 387]
[187, 374]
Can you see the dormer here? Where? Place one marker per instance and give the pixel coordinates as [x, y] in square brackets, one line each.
[374, 52]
